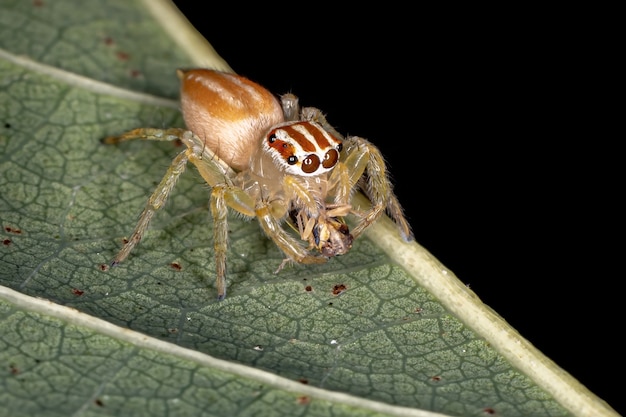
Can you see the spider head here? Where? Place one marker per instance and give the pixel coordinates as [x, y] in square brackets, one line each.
[302, 148]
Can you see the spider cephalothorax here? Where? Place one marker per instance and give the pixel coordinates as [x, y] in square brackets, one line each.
[272, 161]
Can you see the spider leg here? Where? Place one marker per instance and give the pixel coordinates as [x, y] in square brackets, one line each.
[313, 114]
[290, 246]
[303, 225]
[211, 168]
[161, 193]
[146, 133]
[291, 107]
[366, 167]
[269, 216]
[155, 202]
[223, 196]
[300, 192]
[315, 219]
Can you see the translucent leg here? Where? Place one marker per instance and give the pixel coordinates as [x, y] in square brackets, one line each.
[146, 133]
[285, 242]
[155, 202]
[365, 161]
[224, 196]
[219, 211]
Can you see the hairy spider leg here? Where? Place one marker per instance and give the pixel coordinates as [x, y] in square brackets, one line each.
[314, 114]
[211, 168]
[146, 133]
[364, 165]
[155, 202]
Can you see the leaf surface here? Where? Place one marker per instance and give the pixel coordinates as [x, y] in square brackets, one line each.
[148, 337]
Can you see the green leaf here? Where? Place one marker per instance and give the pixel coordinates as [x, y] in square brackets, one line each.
[148, 337]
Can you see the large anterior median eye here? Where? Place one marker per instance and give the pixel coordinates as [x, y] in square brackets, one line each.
[310, 163]
[330, 159]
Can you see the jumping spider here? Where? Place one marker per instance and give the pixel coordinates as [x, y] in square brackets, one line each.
[270, 160]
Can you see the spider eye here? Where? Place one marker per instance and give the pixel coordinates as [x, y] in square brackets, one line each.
[340, 147]
[272, 138]
[310, 163]
[330, 159]
[292, 160]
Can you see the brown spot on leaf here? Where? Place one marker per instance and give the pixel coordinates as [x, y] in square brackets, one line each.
[304, 400]
[339, 289]
[14, 369]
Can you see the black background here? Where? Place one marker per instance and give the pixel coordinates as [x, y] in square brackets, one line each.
[484, 123]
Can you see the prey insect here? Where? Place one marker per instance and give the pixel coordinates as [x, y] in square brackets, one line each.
[271, 160]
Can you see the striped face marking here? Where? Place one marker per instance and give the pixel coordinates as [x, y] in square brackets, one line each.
[303, 148]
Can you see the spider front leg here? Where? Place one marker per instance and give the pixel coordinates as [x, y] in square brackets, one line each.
[327, 232]
[271, 225]
[269, 215]
[363, 166]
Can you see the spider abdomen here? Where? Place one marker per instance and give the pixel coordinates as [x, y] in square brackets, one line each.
[229, 112]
